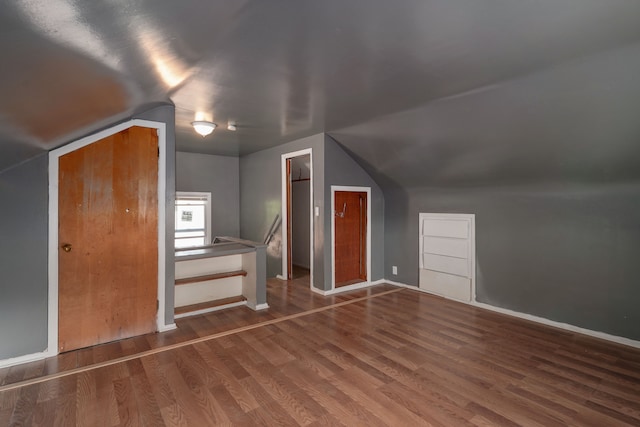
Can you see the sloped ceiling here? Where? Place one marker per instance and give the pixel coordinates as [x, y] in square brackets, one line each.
[423, 92]
[577, 122]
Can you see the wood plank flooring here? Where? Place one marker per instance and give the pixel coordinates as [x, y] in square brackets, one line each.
[385, 356]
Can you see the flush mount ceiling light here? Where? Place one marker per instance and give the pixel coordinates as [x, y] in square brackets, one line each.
[204, 128]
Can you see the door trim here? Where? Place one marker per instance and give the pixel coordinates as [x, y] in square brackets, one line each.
[367, 190]
[285, 213]
[54, 156]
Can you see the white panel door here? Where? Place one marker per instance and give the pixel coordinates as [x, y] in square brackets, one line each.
[447, 255]
[458, 229]
[446, 264]
[458, 248]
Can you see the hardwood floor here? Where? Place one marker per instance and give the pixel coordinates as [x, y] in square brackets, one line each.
[384, 356]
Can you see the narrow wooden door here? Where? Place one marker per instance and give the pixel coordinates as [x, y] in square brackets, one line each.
[108, 235]
[350, 237]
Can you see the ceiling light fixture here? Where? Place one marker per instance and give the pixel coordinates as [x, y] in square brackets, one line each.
[231, 127]
[204, 128]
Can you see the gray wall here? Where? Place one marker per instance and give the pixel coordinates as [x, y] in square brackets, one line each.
[341, 169]
[566, 253]
[261, 200]
[219, 175]
[23, 258]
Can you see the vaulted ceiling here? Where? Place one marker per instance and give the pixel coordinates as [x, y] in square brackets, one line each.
[423, 92]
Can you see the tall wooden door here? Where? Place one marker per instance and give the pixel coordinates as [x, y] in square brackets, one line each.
[108, 235]
[351, 237]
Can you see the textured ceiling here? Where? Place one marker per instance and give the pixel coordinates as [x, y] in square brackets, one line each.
[423, 91]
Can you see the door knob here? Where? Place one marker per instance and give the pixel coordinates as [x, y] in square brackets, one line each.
[66, 247]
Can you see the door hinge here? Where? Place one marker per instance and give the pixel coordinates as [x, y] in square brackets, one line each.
[157, 305]
[158, 151]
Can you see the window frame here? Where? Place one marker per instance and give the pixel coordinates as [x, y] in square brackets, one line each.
[196, 195]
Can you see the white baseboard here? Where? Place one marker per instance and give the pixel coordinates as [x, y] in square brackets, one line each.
[281, 277]
[348, 288]
[565, 326]
[5, 363]
[560, 325]
[402, 285]
[318, 291]
[258, 306]
[26, 358]
[166, 328]
[548, 322]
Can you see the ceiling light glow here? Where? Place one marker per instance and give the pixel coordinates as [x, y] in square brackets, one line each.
[203, 128]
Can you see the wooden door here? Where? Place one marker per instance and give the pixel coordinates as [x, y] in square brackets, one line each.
[350, 237]
[108, 235]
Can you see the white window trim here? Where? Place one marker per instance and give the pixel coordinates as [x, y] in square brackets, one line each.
[200, 195]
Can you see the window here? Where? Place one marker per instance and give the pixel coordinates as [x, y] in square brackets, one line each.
[193, 219]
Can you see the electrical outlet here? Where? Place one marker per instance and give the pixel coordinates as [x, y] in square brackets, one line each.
[394, 270]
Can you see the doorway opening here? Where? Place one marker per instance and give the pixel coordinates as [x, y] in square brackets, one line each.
[297, 215]
[351, 232]
[300, 218]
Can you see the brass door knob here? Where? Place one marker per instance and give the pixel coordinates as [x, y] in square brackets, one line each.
[66, 247]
